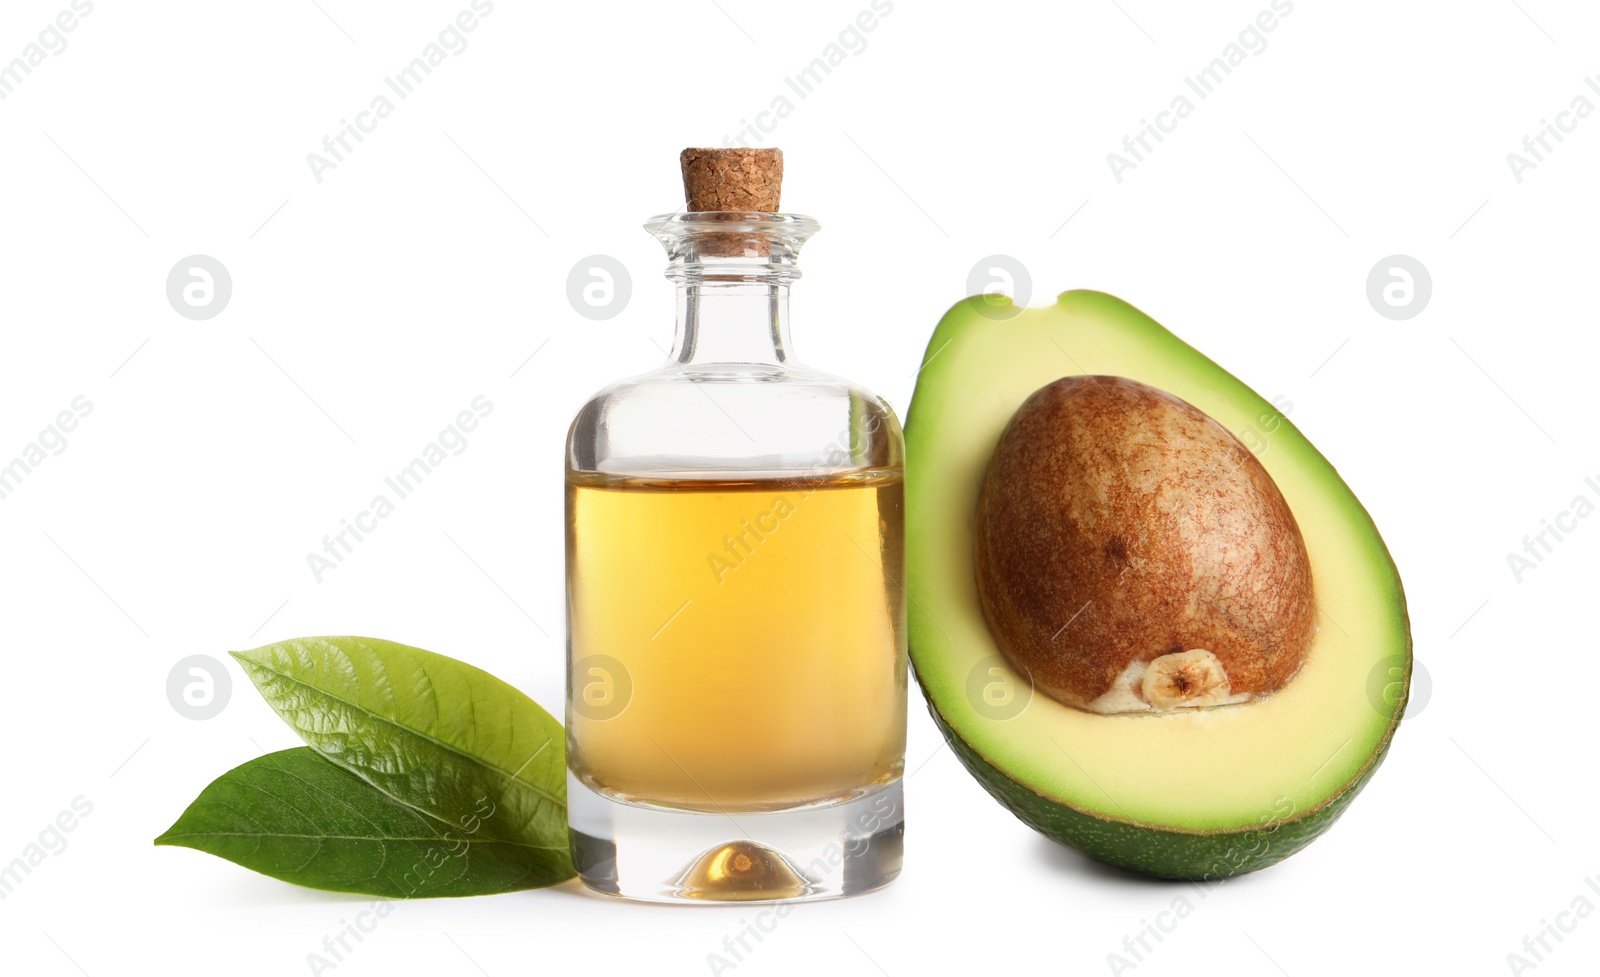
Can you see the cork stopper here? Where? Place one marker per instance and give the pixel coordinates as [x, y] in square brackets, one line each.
[732, 179]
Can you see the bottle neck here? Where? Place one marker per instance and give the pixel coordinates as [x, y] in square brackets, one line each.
[733, 322]
[733, 271]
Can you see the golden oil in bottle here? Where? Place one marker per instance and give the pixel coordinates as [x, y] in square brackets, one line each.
[756, 625]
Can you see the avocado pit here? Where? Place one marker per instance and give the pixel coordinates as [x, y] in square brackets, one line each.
[1132, 555]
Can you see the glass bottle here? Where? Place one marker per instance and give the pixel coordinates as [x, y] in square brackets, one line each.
[736, 642]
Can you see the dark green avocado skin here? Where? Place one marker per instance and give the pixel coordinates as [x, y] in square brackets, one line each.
[1157, 852]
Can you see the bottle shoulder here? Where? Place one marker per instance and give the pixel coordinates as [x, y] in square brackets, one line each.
[754, 384]
[729, 419]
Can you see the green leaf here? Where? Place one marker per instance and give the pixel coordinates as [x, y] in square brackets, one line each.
[296, 817]
[431, 732]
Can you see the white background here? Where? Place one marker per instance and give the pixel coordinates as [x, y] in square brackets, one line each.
[372, 306]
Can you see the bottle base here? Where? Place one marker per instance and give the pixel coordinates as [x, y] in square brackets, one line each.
[808, 854]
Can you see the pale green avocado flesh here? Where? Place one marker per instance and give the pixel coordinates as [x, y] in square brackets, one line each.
[1195, 793]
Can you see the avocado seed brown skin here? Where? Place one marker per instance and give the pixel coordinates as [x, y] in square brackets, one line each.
[1118, 524]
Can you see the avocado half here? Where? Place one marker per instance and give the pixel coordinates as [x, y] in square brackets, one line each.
[1192, 794]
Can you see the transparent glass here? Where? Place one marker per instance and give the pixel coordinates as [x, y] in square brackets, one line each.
[736, 655]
